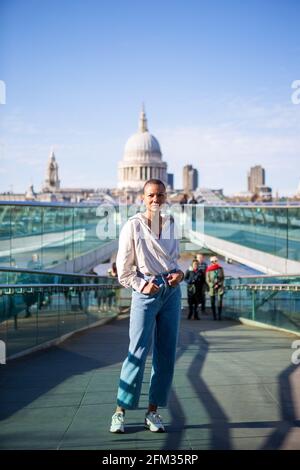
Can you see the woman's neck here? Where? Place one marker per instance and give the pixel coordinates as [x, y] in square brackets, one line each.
[154, 220]
[152, 216]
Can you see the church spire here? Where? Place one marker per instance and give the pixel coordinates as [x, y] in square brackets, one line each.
[51, 155]
[52, 182]
[143, 121]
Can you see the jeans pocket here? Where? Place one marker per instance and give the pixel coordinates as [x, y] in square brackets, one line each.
[145, 296]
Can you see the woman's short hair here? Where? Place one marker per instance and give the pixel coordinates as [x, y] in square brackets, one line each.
[154, 181]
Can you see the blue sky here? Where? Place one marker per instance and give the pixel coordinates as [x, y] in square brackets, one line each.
[215, 77]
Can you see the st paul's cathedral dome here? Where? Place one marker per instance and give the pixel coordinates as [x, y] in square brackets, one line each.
[142, 159]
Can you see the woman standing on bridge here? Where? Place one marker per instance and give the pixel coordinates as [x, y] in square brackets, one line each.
[215, 282]
[147, 262]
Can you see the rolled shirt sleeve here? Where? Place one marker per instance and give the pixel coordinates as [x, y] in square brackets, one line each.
[126, 260]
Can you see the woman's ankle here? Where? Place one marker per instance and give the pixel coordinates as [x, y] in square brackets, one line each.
[152, 408]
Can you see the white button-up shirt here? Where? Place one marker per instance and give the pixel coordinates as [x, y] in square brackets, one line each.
[140, 250]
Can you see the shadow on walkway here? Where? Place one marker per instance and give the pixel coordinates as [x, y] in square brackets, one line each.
[234, 356]
[24, 380]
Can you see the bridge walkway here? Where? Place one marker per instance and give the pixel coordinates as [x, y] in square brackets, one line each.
[235, 387]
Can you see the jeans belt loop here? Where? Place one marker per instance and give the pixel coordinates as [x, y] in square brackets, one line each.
[152, 278]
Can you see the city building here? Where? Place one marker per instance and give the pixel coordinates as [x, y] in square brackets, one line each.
[52, 191]
[170, 180]
[141, 161]
[297, 195]
[264, 193]
[240, 196]
[209, 196]
[30, 194]
[256, 177]
[190, 178]
[11, 196]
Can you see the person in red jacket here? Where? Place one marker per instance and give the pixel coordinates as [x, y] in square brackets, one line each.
[215, 282]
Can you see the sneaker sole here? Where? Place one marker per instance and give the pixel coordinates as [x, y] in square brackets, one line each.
[118, 431]
[147, 427]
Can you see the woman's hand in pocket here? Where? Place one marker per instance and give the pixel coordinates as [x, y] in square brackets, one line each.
[150, 288]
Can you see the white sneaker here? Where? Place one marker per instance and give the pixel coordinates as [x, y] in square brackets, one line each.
[153, 421]
[117, 422]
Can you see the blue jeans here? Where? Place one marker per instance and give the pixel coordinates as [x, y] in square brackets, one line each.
[158, 313]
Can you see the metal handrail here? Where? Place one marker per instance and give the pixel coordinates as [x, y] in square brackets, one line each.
[31, 288]
[262, 276]
[41, 271]
[49, 204]
[13, 286]
[265, 287]
[95, 204]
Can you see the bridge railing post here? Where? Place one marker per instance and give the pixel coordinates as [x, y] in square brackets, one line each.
[253, 304]
[2, 352]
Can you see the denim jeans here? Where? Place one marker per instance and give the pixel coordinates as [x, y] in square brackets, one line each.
[213, 305]
[152, 315]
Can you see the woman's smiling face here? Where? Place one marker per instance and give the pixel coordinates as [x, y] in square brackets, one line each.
[154, 196]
